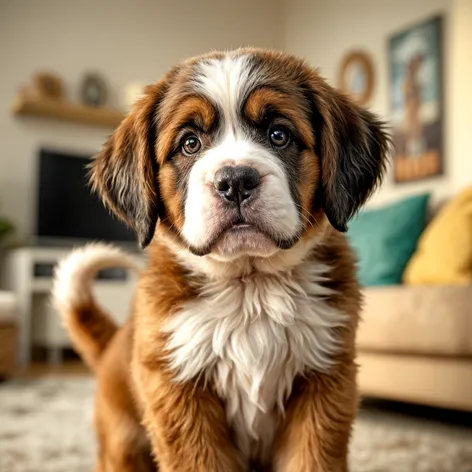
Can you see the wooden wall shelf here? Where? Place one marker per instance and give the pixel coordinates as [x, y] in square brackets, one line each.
[63, 110]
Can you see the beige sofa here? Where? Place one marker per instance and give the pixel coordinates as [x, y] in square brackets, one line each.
[415, 345]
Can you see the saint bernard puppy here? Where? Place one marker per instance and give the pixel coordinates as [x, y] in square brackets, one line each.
[240, 171]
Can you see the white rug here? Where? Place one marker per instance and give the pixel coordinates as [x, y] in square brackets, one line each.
[45, 427]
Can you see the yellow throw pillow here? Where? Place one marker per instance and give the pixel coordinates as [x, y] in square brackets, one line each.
[444, 252]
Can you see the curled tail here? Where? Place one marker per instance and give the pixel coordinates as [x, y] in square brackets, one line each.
[89, 327]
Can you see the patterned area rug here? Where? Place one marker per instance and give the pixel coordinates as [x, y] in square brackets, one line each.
[45, 427]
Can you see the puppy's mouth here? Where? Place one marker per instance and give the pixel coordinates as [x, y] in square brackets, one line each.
[244, 238]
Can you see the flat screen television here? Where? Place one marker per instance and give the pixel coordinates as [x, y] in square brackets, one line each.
[67, 210]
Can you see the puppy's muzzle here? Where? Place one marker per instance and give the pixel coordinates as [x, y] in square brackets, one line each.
[236, 184]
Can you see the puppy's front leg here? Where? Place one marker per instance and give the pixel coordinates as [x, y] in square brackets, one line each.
[186, 425]
[315, 435]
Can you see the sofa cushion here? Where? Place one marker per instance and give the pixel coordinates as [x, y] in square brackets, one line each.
[423, 320]
[385, 238]
[444, 254]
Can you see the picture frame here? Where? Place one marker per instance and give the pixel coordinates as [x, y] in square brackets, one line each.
[417, 104]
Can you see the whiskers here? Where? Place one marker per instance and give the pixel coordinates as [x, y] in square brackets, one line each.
[304, 217]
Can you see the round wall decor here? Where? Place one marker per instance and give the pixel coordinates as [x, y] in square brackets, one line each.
[356, 77]
[93, 91]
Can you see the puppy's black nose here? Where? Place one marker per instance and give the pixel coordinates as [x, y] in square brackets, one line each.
[236, 184]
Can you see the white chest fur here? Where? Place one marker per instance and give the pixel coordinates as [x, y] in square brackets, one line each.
[252, 336]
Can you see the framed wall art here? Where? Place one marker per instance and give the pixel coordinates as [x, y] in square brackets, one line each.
[416, 66]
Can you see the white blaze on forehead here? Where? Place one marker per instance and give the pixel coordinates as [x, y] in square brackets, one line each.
[226, 82]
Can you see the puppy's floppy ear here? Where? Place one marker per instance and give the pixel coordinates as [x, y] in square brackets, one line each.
[353, 147]
[124, 173]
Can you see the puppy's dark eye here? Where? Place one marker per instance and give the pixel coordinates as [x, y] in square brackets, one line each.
[191, 144]
[279, 136]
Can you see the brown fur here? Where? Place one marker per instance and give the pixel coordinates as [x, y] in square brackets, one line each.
[322, 407]
[292, 108]
[91, 330]
[186, 423]
[123, 443]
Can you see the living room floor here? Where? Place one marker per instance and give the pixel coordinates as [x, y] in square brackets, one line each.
[46, 414]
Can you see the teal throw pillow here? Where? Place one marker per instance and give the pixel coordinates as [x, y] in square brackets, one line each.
[385, 238]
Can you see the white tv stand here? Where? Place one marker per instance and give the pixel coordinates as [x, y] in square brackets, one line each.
[28, 272]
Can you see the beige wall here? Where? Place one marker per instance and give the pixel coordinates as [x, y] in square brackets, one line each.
[460, 123]
[126, 40]
[324, 30]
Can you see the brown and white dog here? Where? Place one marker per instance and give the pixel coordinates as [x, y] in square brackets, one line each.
[239, 354]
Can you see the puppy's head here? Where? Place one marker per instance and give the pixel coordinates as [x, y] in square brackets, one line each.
[241, 153]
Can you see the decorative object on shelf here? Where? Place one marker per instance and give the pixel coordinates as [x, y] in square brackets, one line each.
[48, 85]
[93, 90]
[45, 85]
[356, 77]
[45, 98]
[415, 57]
